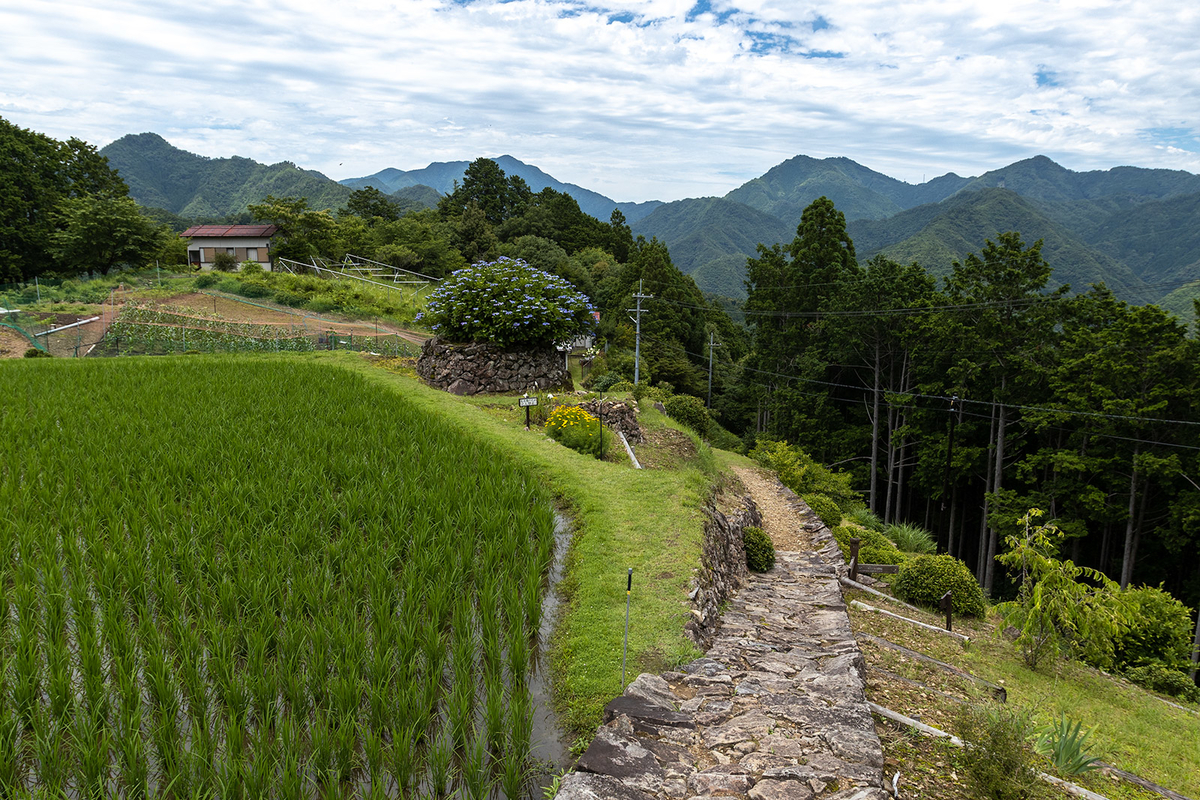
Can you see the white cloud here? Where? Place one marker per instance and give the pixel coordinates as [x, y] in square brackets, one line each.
[635, 99]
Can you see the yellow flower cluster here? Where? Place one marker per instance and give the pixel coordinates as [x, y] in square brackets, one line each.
[564, 417]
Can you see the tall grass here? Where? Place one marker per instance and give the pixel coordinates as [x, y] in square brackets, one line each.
[299, 586]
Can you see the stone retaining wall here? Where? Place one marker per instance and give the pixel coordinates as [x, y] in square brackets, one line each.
[618, 416]
[722, 568]
[482, 367]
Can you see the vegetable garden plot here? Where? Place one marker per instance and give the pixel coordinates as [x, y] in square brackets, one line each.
[298, 586]
[143, 330]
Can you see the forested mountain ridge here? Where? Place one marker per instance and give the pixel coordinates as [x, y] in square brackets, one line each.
[443, 175]
[1134, 229]
[161, 175]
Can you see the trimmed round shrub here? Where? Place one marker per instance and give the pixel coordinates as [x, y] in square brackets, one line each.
[874, 547]
[760, 550]
[507, 302]
[254, 289]
[689, 411]
[621, 386]
[826, 508]
[286, 298]
[1160, 629]
[924, 579]
[205, 280]
[1158, 678]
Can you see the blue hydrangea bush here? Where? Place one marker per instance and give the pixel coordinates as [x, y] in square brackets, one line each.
[507, 302]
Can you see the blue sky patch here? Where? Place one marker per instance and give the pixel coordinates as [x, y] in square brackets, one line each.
[1177, 137]
[1045, 77]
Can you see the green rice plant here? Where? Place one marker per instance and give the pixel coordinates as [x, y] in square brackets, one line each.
[346, 692]
[11, 772]
[460, 715]
[321, 750]
[1066, 746]
[520, 721]
[259, 774]
[373, 755]
[59, 687]
[493, 713]
[132, 764]
[404, 760]
[531, 597]
[345, 751]
[476, 779]
[518, 655]
[514, 774]
[91, 744]
[51, 755]
[441, 766]
[27, 686]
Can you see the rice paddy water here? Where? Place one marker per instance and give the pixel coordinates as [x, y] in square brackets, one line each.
[258, 577]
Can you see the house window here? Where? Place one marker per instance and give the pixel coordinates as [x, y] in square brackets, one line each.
[231, 251]
[252, 254]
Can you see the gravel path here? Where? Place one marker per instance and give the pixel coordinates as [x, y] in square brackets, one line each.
[780, 520]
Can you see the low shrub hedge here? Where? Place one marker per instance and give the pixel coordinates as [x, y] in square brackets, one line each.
[826, 508]
[1159, 678]
[690, 411]
[1159, 632]
[875, 548]
[760, 550]
[924, 579]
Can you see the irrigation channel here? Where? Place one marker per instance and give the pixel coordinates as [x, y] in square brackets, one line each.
[265, 577]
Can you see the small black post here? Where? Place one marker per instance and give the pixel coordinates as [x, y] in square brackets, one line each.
[854, 544]
[625, 652]
[946, 604]
[526, 417]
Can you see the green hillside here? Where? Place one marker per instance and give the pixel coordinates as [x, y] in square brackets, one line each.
[711, 237]
[1043, 179]
[1180, 301]
[859, 193]
[962, 224]
[163, 176]
[1159, 241]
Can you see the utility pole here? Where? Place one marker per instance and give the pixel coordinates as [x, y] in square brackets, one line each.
[637, 342]
[711, 345]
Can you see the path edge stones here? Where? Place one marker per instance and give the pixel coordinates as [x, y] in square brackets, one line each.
[776, 708]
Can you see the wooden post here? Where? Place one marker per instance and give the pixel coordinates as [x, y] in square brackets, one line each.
[1196, 647]
[854, 544]
[946, 604]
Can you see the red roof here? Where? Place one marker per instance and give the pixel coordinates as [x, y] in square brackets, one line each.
[229, 230]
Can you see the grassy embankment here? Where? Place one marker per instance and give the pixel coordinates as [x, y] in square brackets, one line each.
[1131, 729]
[650, 520]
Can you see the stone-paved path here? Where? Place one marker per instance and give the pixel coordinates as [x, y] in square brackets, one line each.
[774, 710]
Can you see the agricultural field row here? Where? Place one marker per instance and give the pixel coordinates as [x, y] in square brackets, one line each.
[143, 330]
[259, 578]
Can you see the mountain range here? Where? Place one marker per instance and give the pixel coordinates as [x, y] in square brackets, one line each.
[1136, 229]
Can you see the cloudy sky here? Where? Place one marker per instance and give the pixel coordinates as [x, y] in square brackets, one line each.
[637, 99]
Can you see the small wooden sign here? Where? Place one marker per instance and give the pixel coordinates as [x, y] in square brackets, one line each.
[522, 402]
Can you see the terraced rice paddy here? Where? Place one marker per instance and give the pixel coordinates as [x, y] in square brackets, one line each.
[258, 577]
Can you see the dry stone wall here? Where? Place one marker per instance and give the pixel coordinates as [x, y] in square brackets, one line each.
[722, 568]
[618, 416]
[481, 367]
